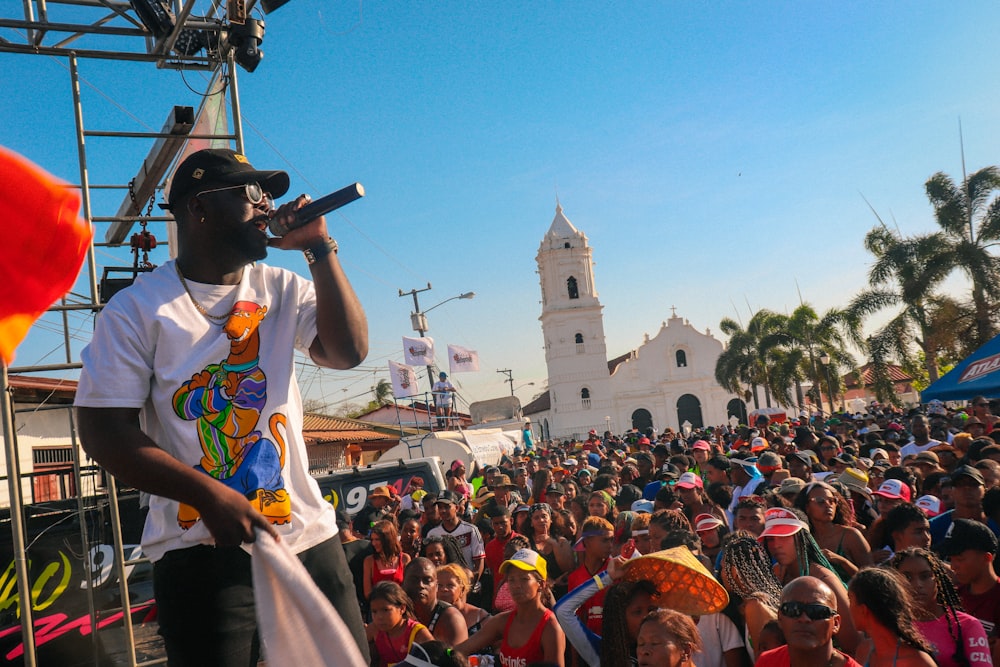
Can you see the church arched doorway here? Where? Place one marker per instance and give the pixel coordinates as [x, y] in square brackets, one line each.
[689, 410]
[642, 420]
[737, 408]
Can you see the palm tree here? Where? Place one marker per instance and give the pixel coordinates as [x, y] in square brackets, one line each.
[801, 338]
[969, 217]
[903, 278]
[749, 356]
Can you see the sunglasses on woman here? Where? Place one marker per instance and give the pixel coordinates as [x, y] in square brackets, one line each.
[815, 612]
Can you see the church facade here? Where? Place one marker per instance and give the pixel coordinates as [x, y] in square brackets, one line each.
[668, 381]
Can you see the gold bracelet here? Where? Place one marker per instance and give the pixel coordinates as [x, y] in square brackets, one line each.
[320, 250]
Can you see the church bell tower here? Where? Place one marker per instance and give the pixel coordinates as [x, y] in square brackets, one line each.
[573, 328]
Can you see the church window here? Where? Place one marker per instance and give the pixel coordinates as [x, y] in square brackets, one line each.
[585, 398]
[579, 344]
[566, 245]
[572, 289]
[682, 360]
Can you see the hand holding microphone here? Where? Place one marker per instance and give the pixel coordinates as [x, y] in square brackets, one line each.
[315, 209]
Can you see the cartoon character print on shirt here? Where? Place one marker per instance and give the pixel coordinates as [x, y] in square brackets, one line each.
[226, 401]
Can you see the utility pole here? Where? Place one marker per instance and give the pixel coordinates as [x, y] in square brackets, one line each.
[510, 378]
[419, 322]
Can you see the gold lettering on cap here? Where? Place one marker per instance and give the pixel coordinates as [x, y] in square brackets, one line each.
[241, 158]
[198, 173]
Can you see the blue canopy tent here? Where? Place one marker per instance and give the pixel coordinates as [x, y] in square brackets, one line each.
[977, 375]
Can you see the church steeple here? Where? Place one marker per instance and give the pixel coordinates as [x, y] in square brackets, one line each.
[573, 327]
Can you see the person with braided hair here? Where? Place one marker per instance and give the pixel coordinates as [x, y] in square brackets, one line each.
[787, 540]
[830, 518]
[957, 639]
[883, 610]
[745, 572]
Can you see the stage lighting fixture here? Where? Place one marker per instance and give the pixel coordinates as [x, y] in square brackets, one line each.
[246, 39]
[155, 15]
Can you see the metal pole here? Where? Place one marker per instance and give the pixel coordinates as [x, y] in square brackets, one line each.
[234, 97]
[16, 521]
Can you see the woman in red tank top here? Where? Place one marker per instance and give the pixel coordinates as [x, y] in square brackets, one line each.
[388, 561]
[530, 633]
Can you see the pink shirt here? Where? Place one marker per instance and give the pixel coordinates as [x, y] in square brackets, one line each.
[977, 647]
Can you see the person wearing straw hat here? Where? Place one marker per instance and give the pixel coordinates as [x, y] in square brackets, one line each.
[529, 633]
[787, 540]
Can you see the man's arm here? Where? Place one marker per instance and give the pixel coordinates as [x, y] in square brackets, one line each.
[112, 437]
[341, 325]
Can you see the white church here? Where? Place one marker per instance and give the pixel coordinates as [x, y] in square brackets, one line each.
[668, 381]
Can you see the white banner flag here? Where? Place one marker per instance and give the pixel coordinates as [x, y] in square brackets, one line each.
[404, 380]
[462, 360]
[418, 351]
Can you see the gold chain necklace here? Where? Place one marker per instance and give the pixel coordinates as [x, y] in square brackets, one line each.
[200, 308]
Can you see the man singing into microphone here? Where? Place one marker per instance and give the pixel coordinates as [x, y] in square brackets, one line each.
[188, 392]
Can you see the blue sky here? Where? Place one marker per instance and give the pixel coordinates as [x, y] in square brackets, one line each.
[716, 154]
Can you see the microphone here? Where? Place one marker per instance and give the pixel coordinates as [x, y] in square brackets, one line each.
[315, 209]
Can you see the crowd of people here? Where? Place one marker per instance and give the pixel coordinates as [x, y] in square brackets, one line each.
[865, 538]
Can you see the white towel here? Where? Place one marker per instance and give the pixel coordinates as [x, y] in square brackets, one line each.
[297, 624]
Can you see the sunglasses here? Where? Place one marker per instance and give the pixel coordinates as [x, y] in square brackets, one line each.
[253, 191]
[815, 612]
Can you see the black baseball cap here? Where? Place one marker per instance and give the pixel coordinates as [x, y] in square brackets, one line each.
[448, 497]
[967, 534]
[555, 488]
[221, 165]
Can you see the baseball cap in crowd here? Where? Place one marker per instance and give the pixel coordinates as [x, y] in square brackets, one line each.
[689, 480]
[768, 461]
[758, 445]
[221, 165]
[592, 431]
[967, 471]
[967, 534]
[558, 489]
[877, 452]
[855, 481]
[527, 560]
[521, 508]
[643, 441]
[701, 444]
[644, 456]
[929, 458]
[642, 507]
[806, 456]
[669, 472]
[931, 505]
[442, 375]
[706, 522]
[780, 522]
[449, 497]
[569, 462]
[894, 488]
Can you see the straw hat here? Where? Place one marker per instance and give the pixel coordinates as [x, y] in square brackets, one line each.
[682, 582]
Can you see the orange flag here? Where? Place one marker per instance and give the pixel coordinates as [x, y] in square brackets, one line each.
[44, 245]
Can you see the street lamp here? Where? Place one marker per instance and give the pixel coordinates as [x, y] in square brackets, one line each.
[607, 424]
[418, 318]
[824, 359]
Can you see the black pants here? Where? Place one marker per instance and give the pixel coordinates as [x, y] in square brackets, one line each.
[205, 602]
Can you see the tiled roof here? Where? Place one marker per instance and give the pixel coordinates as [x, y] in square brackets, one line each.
[540, 404]
[321, 428]
[34, 388]
[896, 374]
